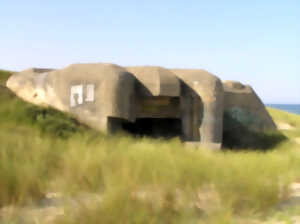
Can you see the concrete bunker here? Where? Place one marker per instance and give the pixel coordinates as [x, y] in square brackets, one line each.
[147, 101]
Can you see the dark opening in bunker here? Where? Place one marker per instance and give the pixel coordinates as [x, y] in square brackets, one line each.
[154, 127]
[156, 117]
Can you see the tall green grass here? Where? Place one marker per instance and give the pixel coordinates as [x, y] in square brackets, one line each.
[119, 168]
[137, 180]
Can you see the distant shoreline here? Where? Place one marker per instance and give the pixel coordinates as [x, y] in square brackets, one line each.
[292, 108]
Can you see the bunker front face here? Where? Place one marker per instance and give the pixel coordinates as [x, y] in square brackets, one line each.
[153, 101]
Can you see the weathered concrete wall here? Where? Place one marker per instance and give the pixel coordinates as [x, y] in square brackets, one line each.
[29, 85]
[155, 81]
[158, 107]
[203, 105]
[91, 92]
[243, 105]
[245, 117]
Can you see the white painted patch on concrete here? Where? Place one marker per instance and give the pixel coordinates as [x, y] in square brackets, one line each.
[76, 97]
[90, 93]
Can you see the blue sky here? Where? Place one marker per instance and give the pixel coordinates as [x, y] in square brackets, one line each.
[255, 42]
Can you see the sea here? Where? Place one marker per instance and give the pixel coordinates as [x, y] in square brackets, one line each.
[292, 108]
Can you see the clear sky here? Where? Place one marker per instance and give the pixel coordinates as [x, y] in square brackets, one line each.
[255, 42]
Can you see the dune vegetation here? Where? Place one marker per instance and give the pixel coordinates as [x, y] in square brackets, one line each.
[137, 180]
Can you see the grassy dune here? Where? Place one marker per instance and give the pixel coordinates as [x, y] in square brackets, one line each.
[286, 117]
[144, 181]
[292, 120]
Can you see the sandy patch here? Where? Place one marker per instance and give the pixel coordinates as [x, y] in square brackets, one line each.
[284, 126]
[297, 140]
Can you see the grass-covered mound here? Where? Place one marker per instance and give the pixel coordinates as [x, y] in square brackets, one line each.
[15, 112]
[292, 121]
[285, 117]
[138, 181]
[4, 76]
